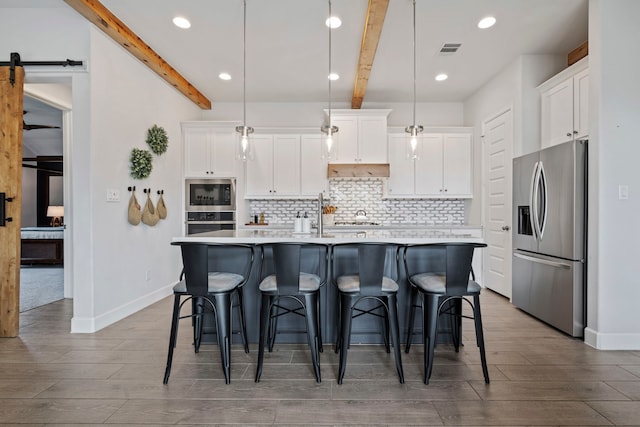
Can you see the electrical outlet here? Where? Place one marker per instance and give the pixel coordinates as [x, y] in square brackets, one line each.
[113, 195]
[147, 275]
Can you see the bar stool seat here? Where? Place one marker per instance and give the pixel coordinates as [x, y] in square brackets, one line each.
[308, 283]
[437, 283]
[218, 282]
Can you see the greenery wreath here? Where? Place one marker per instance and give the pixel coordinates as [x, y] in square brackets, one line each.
[157, 139]
[140, 163]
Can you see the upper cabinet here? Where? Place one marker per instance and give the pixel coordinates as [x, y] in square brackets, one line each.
[564, 105]
[209, 149]
[286, 166]
[444, 168]
[362, 135]
[275, 168]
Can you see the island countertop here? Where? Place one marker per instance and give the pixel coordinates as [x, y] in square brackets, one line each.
[337, 235]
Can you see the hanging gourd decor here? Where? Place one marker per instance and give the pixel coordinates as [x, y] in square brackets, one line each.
[157, 139]
[140, 163]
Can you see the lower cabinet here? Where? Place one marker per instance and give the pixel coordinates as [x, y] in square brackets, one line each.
[443, 169]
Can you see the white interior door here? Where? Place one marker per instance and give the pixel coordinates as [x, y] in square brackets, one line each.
[497, 148]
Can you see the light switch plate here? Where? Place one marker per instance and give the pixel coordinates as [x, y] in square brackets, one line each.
[113, 195]
[623, 192]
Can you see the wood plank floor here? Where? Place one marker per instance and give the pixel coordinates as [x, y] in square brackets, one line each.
[539, 377]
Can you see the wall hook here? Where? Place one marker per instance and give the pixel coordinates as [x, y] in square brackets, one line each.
[131, 188]
[160, 191]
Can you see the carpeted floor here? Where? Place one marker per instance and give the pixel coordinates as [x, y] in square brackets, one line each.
[40, 286]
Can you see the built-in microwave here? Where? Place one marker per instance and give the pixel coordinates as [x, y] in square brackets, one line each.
[210, 194]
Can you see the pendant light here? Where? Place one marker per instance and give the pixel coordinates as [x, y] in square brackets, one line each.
[413, 130]
[329, 131]
[245, 146]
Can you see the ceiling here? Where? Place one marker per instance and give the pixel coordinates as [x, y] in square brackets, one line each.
[287, 54]
[287, 46]
[41, 142]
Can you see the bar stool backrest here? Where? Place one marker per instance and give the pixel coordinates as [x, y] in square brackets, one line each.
[451, 259]
[286, 258]
[195, 263]
[291, 259]
[371, 264]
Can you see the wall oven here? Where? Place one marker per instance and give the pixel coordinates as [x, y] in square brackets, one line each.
[202, 222]
[210, 205]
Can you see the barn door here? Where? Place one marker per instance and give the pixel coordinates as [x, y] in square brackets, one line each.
[11, 102]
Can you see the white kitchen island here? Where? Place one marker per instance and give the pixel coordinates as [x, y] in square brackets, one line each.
[363, 332]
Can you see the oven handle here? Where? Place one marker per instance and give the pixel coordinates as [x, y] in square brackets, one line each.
[208, 222]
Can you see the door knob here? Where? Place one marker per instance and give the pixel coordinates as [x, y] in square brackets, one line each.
[506, 228]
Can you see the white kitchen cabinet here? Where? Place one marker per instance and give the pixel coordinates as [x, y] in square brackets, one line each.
[443, 170]
[313, 170]
[564, 106]
[209, 150]
[362, 136]
[275, 168]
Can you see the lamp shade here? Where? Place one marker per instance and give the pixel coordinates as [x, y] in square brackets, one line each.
[54, 211]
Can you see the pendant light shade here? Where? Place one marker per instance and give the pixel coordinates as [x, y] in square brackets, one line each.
[329, 132]
[245, 144]
[414, 131]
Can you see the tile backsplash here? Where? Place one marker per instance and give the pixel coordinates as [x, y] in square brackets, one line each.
[353, 194]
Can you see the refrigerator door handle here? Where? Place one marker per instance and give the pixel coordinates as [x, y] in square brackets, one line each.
[542, 261]
[543, 186]
[532, 201]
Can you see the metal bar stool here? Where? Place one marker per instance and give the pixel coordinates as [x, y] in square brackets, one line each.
[441, 276]
[286, 288]
[209, 292]
[360, 281]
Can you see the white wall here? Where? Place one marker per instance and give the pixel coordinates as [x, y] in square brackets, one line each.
[310, 114]
[113, 106]
[614, 101]
[514, 87]
[126, 98]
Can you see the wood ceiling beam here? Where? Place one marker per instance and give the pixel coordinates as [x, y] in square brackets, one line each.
[376, 12]
[102, 18]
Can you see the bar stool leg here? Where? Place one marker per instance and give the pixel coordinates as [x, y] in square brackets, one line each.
[223, 317]
[311, 308]
[265, 309]
[430, 315]
[412, 313]
[172, 337]
[243, 325]
[477, 317]
[345, 332]
[392, 304]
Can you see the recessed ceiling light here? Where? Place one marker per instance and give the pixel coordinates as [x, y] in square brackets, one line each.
[486, 22]
[334, 76]
[333, 22]
[181, 22]
[224, 76]
[441, 77]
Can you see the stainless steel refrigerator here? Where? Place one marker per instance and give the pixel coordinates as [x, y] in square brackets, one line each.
[549, 236]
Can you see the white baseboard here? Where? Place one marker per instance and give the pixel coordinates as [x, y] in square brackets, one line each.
[90, 325]
[603, 341]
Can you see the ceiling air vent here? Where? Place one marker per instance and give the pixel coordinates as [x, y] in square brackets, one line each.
[449, 48]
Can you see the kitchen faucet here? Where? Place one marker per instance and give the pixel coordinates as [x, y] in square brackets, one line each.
[320, 203]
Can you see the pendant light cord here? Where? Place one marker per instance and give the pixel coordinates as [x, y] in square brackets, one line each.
[244, 64]
[329, 76]
[414, 63]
